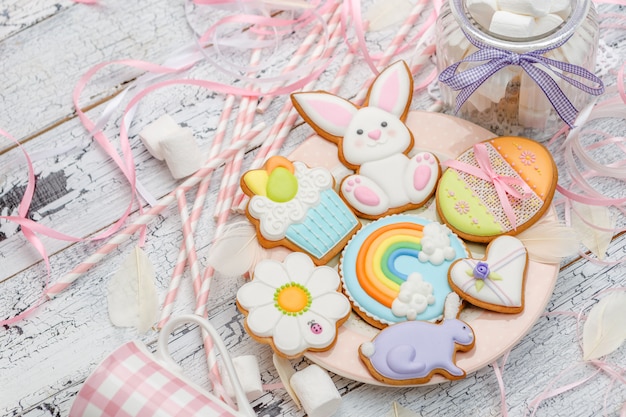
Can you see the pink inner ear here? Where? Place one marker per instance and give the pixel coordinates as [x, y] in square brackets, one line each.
[389, 93]
[331, 113]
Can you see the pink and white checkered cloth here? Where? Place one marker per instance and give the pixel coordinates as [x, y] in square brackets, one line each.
[130, 383]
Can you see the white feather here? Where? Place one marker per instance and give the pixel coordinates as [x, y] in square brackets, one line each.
[385, 13]
[594, 226]
[549, 241]
[604, 330]
[398, 411]
[131, 296]
[237, 250]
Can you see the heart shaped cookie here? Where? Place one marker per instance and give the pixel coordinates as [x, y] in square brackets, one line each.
[495, 282]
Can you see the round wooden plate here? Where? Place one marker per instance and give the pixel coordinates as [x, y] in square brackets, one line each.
[446, 137]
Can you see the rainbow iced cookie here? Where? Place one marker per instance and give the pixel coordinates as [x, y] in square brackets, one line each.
[396, 269]
[294, 206]
[498, 187]
[293, 305]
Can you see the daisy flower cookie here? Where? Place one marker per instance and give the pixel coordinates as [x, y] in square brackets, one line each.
[293, 305]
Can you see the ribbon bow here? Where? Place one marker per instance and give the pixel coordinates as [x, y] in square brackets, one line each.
[502, 184]
[469, 80]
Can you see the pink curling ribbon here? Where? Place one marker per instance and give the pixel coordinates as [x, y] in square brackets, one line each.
[615, 372]
[503, 185]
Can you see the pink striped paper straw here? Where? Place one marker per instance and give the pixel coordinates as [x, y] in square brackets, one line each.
[332, 13]
[125, 234]
[393, 47]
[188, 238]
[247, 110]
[241, 115]
[198, 285]
[196, 212]
[287, 116]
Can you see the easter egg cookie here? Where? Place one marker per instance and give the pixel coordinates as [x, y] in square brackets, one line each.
[395, 269]
[374, 141]
[293, 305]
[498, 187]
[294, 206]
[495, 282]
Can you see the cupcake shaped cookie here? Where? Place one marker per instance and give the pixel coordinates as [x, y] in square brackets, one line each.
[295, 206]
[498, 187]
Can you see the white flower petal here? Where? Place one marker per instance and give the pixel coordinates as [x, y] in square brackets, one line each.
[333, 306]
[255, 294]
[324, 279]
[271, 272]
[299, 267]
[262, 320]
[287, 336]
[317, 331]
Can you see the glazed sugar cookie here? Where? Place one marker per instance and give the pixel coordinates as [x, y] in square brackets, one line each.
[496, 282]
[498, 187]
[374, 141]
[295, 206]
[412, 352]
[293, 305]
[395, 269]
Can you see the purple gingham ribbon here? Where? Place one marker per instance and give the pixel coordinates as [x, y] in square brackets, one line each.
[469, 80]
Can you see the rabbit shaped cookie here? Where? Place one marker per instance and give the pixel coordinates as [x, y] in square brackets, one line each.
[374, 141]
[411, 352]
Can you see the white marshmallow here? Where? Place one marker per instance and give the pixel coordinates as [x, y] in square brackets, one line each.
[546, 24]
[480, 102]
[249, 375]
[181, 153]
[457, 44]
[562, 8]
[482, 11]
[512, 25]
[317, 392]
[534, 107]
[155, 132]
[534, 8]
[495, 87]
[575, 50]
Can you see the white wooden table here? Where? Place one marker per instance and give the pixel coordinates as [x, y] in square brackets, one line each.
[45, 47]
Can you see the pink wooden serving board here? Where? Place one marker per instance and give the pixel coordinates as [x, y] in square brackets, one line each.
[446, 137]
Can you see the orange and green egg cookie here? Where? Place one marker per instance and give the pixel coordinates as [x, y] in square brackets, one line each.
[498, 187]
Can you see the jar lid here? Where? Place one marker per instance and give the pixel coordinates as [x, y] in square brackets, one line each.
[580, 9]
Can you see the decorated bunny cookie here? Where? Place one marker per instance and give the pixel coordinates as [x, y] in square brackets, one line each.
[374, 141]
[411, 352]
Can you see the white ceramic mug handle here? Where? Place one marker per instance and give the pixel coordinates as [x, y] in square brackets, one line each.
[164, 354]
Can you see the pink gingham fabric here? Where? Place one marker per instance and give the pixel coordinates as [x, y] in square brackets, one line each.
[130, 383]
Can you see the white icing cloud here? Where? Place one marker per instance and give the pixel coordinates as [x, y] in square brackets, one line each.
[436, 244]
[414, 297]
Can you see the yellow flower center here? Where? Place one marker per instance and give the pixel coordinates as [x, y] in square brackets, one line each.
[292, 299]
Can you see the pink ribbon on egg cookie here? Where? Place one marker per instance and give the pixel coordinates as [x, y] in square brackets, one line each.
[502, 184]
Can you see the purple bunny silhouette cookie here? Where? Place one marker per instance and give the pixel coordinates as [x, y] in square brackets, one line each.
[411, 352]
[374, 141]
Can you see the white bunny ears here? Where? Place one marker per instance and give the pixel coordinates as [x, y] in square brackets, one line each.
[330, 115]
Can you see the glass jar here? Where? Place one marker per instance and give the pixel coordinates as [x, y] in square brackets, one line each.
[509, 101]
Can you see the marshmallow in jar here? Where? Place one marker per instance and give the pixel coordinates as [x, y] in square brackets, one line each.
[480, 46]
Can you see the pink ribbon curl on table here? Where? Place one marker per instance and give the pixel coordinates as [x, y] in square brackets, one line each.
[613, 371]
[503, 185]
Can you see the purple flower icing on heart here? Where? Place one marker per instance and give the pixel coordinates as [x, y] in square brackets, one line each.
[481, 270]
